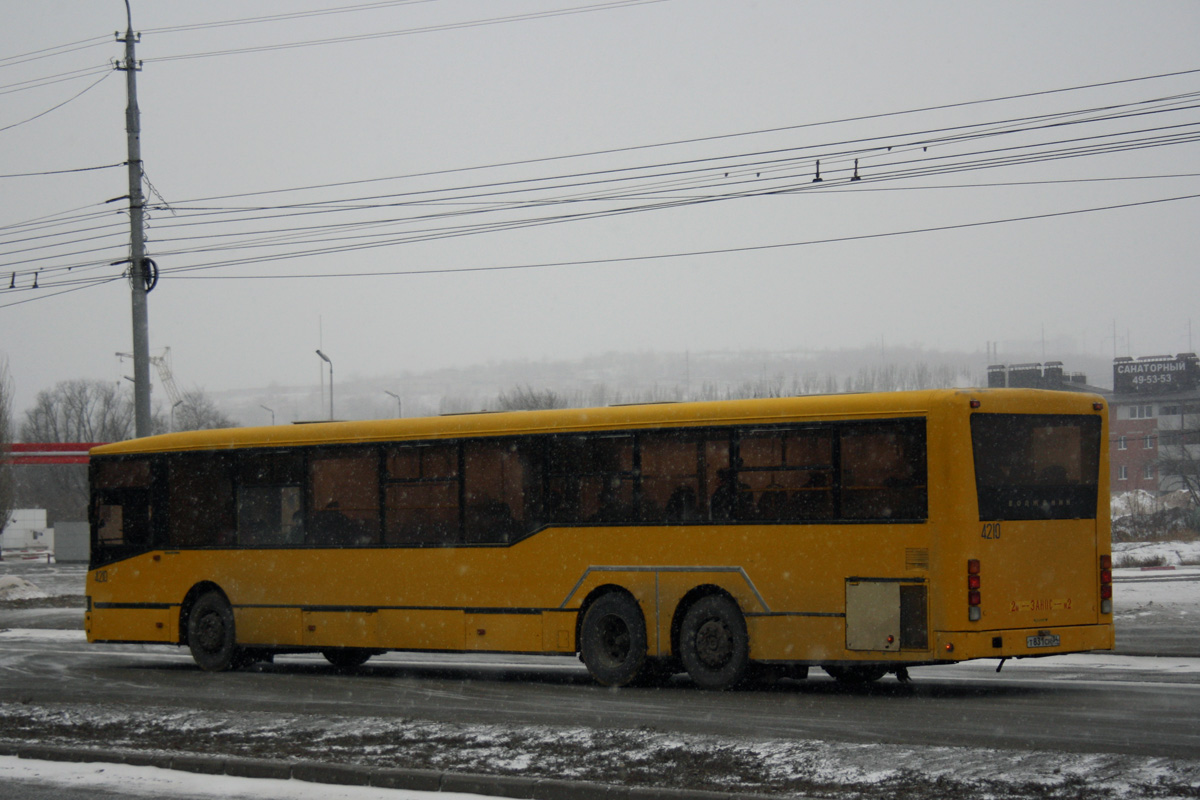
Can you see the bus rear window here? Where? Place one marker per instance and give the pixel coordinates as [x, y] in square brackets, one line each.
[1036, 466]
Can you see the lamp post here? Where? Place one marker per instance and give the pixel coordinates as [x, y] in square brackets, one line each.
[399, 406]
[325, 358]
[264, 408]
[174, 406]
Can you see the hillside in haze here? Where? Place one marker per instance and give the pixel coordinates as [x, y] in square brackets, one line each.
[648, 376]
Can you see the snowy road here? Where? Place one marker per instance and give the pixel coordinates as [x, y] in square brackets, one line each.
[1081, 703]
[1115, 724]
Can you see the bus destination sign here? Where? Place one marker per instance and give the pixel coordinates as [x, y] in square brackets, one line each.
[1156, 375]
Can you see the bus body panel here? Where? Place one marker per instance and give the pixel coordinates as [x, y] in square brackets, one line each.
[881, 592]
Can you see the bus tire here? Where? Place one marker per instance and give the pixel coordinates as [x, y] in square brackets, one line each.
[713, 643]
[347, 657]
[612, 639]
[211, 633]
[855, 675]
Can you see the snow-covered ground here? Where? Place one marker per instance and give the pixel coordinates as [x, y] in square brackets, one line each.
[132, 781]
[1169, 553]
[831, 768]
[13, 587]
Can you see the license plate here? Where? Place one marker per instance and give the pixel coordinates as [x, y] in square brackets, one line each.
[1050, 640]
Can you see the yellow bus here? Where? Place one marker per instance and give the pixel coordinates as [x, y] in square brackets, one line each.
[860, 533]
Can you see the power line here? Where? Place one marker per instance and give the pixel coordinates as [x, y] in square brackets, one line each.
[311, 234]
[699, 167]
[362, 37]
[922, 167]
[281, 17]
[57, 218]
[47, 80]
[55, 108]
[654, 257]
[98, 282]
[56, 50]
[60, 172]
[646, 187]
[176, 271]
[719, 137]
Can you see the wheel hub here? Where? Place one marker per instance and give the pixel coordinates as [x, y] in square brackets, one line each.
[714, 643]
[210, 632]
[615, 640]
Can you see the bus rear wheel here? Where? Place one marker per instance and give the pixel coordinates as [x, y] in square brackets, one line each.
[347, 657]
[713, 643]
[212, 637]
[612, 639]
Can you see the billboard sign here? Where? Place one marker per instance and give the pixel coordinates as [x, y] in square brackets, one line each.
[1156, 375]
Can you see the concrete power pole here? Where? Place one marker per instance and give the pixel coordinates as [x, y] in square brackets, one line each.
[142, 272]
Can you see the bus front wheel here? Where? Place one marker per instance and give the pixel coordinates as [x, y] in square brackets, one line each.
[713, 643]
[612, 639]
[211, 634]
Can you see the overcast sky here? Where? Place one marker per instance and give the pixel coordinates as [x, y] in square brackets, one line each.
[579, 176]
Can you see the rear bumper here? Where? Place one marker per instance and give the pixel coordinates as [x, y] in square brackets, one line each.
[1015, 642]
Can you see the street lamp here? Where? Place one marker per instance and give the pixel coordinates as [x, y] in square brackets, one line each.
[264, 408]
[399, 407]
[174, 406]
[325, 358]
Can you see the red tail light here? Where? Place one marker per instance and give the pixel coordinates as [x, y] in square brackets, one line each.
[974, 597]
[1106, 584]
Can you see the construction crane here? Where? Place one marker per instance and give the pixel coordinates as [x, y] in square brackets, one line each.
[163, 364]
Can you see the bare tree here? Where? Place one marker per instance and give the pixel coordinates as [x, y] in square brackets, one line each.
[73, 411]
[7, 493]
[198, 412]
[526, 398]
[79, 411]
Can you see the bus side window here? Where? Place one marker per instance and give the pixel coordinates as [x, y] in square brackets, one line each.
[268, 499]
[110, 524]
[590, 479]
[883, 472]
[715, 473]
[343, 496]
[496, 478]
[122, 515]
[200, 505]
[670, 472]
[609, 487]
[788, 472]
[421, 495]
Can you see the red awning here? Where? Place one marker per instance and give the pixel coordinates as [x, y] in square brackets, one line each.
[48, 452]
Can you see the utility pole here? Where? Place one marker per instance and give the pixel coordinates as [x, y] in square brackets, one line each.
[142, 273]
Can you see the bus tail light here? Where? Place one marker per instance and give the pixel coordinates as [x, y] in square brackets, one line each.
[1106, 584]
[974, 598]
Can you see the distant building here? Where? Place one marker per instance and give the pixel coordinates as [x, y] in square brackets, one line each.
[1050, 375]
[26, 534]
[1154, 416]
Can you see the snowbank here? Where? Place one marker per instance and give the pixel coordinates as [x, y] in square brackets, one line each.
[14, 588]
[1124, 504]
[1161, 554]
